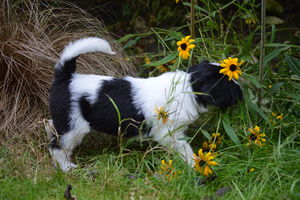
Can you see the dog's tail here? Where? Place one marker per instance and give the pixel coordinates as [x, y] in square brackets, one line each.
[66, 65]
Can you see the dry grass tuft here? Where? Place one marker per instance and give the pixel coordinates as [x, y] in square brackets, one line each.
[32, 36]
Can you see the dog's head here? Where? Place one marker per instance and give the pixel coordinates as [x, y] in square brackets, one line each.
[214, 88]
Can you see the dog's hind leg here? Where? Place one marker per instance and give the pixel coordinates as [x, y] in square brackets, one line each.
[175, 141]
[61, 147]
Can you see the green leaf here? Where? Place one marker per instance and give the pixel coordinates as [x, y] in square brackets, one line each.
[229, 130]
[272, 33]
[206, 134]
[273, 20]
[256, 108]
[132, 42]
[282, 45]
[252, 79]
[212, 24]
[293, 63]
[175, 35]
[276, 87]
[126, 37]
[199, 8]
[166, 59]
[274, 54]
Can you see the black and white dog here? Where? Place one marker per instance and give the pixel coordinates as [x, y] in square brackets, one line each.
[80, 103]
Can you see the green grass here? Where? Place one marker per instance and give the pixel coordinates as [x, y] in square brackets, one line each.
[108, 171]
[133, 173]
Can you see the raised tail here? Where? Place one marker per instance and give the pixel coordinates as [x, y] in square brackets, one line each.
[66, 65]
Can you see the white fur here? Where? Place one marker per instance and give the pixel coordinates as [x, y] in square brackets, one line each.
[173, 91]
[215, 64]
[84, 45]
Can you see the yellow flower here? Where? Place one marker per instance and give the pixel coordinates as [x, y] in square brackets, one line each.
[203, 162]
[167, 169]
[270, 86]
[216, 137]
[256, 137]
[251, 170]
[209, 146]
[162, 114]
[147, 60]
[184, 47]
[177, 1]
[280, 117]
[250, 20]
[231, 68]
[163, 68]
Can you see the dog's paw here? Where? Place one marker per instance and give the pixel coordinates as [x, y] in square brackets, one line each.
[66, 167]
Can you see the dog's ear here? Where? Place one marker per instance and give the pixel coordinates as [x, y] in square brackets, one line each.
[217, 89]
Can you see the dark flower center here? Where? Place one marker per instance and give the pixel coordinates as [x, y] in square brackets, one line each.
[201, 163]
[232, 68]
[253, 137]
[183, 46]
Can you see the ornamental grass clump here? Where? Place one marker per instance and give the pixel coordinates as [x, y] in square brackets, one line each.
[32, 36]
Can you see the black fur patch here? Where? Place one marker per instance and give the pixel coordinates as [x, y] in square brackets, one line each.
[59, 99]
[102, 115]
[221, 92]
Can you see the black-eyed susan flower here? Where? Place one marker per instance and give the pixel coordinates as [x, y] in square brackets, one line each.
[280, 117]
[162, 114]
[165, 67]
[256, 137]
[209, 146]
[203, 162]
[184, 47]
[217, 138]
[231, 68]
[167, 170]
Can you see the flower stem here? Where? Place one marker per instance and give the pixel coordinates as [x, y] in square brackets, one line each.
[193, 26]
[262, 47]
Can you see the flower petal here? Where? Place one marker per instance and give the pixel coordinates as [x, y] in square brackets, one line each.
[223, 70]
[257, 129]
[191, 40]
[191, 46]
[213, 163]
[187, 37]
[235, 75]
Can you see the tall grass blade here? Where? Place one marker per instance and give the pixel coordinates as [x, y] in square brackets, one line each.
[229, 130]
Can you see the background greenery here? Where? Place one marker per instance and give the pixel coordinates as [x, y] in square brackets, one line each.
[34, 32]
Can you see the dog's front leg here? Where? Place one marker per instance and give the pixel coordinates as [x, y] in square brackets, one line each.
[176, 142]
